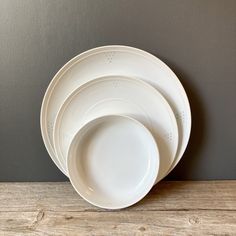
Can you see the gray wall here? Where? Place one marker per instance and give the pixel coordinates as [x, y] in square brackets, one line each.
[196, 38]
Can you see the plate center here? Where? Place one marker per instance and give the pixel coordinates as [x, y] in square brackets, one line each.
[115, 158]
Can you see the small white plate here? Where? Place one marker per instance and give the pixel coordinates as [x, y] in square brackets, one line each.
[113, 162]
[115, 60]
[118, 95]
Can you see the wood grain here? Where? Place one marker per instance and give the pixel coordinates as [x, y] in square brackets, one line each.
[172, 208]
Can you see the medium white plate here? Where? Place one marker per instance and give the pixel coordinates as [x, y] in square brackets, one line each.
[115, 60]
[113, 162]
[118, 95]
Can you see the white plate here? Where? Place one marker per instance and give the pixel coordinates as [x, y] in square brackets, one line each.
[113, 162]
[113, 60]
[118, 95]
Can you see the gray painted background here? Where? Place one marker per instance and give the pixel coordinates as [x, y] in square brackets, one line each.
[196, 38]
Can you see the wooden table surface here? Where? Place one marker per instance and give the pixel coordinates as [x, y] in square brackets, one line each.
[171, 208]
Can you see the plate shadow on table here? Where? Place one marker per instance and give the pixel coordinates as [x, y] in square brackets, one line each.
[159, 195]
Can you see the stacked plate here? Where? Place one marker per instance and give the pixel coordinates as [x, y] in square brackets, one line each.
[115, 120]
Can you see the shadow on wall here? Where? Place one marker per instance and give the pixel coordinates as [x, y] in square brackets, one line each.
[187, 165]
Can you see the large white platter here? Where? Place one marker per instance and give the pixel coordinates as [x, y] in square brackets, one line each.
[117, 95]
[115, 60]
